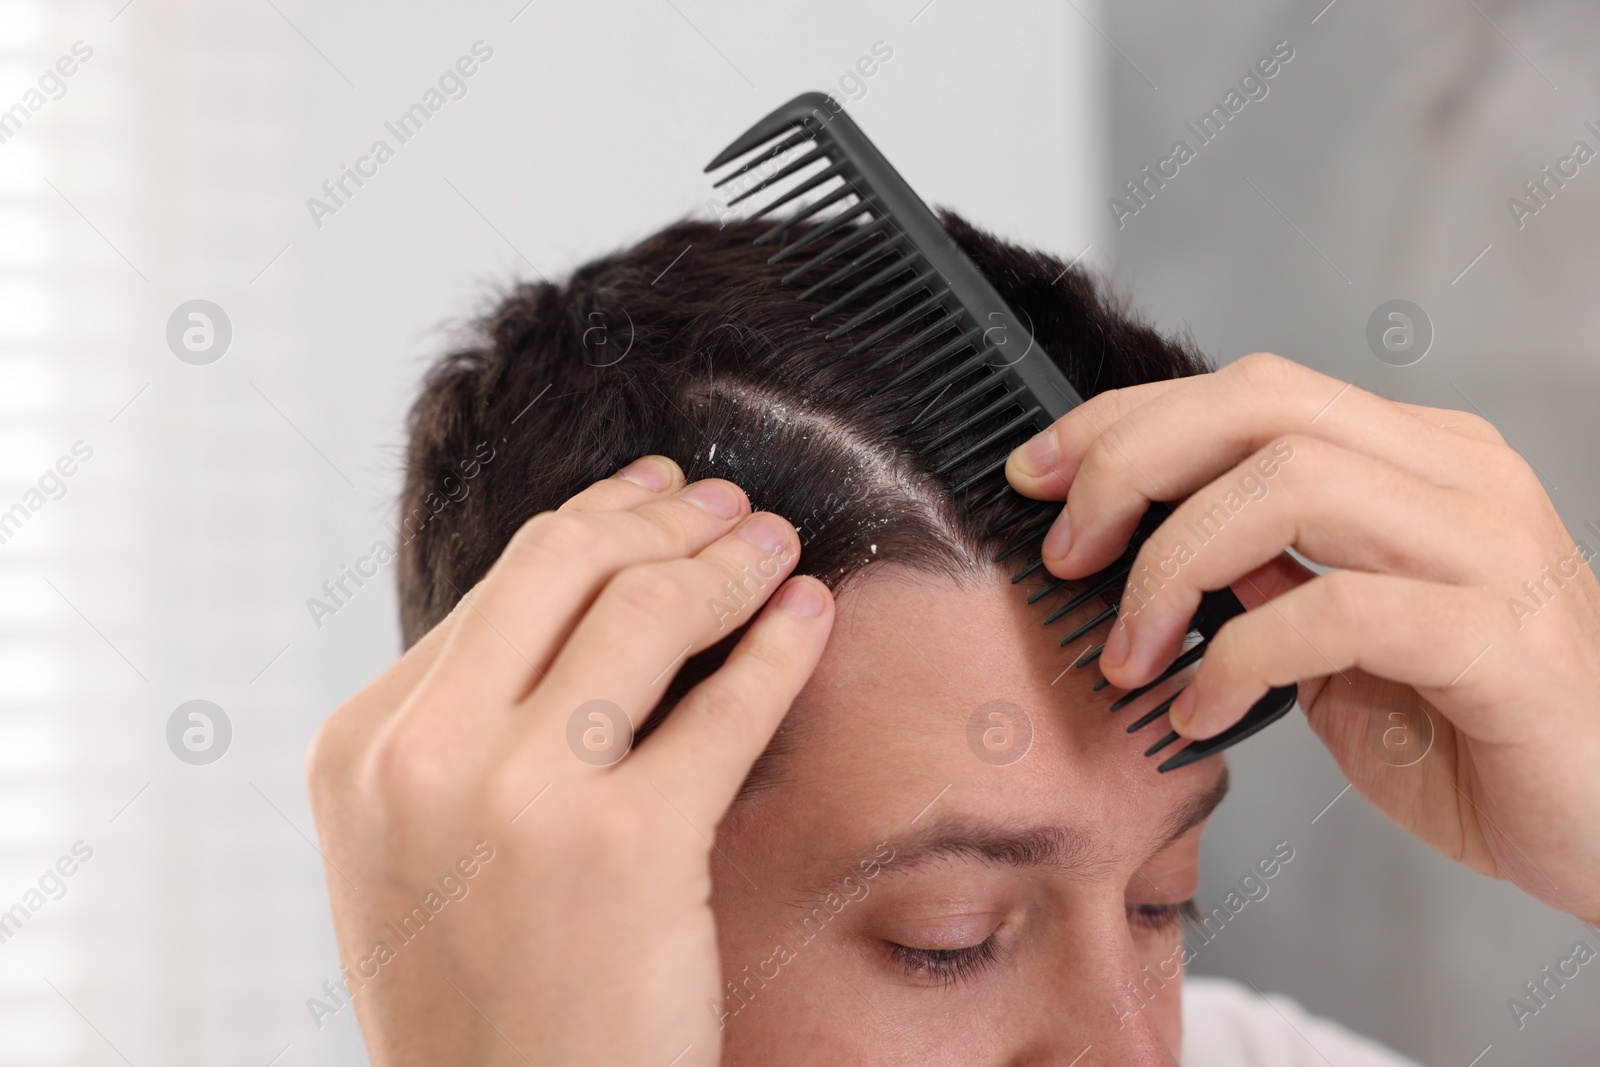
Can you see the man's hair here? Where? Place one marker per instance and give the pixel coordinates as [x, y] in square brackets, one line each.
[687, 345]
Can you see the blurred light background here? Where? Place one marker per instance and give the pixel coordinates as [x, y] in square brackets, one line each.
[175, 563]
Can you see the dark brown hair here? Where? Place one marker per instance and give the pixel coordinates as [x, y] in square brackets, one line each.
[687, 346]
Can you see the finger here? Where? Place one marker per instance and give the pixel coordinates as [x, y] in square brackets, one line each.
[641, 481]
[701, 755]
[1038, 468]
[1279, 575]
[513, 621]
[1473, 427]
[644, 480]
[1167, 448]
[1418, 633]
[651, 618]
[1335, 507]
[555, 566]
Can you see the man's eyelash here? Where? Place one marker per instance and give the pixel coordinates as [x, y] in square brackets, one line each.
[1163, 916]
[951, 965]
[947, 965]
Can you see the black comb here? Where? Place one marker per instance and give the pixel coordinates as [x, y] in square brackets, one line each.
[858, 237]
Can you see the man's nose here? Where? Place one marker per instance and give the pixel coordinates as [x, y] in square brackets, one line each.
[1098, 1007]
[1137, 1044]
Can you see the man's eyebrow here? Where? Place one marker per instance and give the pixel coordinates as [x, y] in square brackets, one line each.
[1066, 849]
[1196, 810]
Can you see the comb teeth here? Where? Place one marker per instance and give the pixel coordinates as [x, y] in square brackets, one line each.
[827, 229]
[801, 216]
[1183, 661]
[1022, 515]
[1022, 542]
[1153, 714]
[1048, 589]
[861, 262]
[884, 303]
[1027, 572]
[934, 302]
[796, 138]
[1172, 735]
[900, 265]
[969, 421]
[931, 360]
[1099, 588]
[927, 333]
[997, 467]
[937, 324]
[793, 168]
[824, 175]
[955, 374]
[1093, 624]
[936, 411]
[989, 442]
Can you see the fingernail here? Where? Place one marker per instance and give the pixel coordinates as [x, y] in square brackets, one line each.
[767, 531]
[1038, 456]
[1059, 539]
[1116, 653]
[1182, 711]
[720, 498]
[802, 598]
[648, 472]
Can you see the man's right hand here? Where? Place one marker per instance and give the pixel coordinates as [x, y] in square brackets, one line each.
[502, 896]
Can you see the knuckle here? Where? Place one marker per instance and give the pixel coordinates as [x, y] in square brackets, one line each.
[1273, 458]
[1265, 374]
[1104, 460]
[773, 662]
[1090, 411]
[656, 591]
[402, 769]
[1144, 583]
[335, 749]
[1512, 468]
[1222, 659]
[564, 537]
[1259, 367]
[325, 762]
[1475, 425]
[1286, 444]
[674, 522]
[727, 707]
[755, 578]
[1104, 405]
[1234, 661]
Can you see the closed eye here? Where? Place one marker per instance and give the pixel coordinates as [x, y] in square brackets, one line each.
[946, 966]
[1162, 916]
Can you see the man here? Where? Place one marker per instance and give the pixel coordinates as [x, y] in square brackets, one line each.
[873, 816]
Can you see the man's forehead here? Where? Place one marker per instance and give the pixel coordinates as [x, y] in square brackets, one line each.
[886, 722]
[915, 659]
[906, 643]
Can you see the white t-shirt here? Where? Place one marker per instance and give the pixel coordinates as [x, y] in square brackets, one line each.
[1226, 1024]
